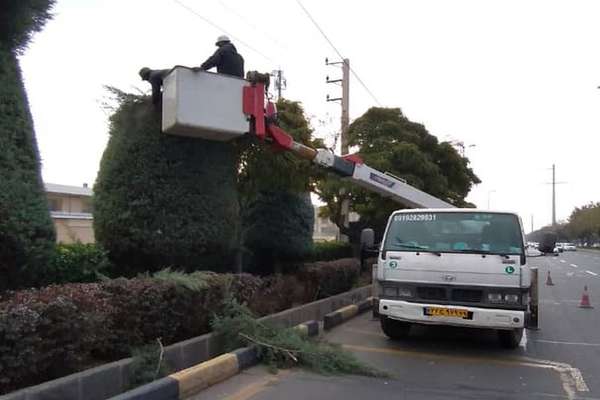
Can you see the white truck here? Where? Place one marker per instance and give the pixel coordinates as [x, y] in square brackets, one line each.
[461, 267]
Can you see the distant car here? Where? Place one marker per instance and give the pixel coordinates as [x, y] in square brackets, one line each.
[559, 247]
[569, 247]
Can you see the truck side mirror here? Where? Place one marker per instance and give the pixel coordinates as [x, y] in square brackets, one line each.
[367, 239]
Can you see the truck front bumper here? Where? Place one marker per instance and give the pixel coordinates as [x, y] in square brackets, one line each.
[480, 317]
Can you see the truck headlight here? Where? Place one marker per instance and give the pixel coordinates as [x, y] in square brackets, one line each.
[390, 291]
[405, 292]
[495, 297]
[511, 298]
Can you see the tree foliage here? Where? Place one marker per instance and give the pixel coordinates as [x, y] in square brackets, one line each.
[583, 226]
[388, 141]
[26, 231]
[20, 19]
[277, 212]
[163, 200]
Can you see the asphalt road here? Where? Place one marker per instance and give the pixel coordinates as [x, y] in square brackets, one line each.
[560, 361]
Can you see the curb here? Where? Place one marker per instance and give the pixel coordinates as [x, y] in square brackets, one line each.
[191, 381]
[343, 314]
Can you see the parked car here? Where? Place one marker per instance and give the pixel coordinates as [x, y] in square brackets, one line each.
[569, 247]
[559, 247]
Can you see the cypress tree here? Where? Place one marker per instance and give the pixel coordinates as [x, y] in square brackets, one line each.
[26, 230]
[277, 213]
[164, 201]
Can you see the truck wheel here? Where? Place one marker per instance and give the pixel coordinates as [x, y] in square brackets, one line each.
[394, 329]
[510, 339]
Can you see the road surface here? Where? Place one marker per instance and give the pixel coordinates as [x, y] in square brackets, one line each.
[560, 361]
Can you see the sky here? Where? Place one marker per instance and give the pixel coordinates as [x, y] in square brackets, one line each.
[515, 81]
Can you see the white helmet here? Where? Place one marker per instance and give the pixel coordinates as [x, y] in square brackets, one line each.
[221, 39]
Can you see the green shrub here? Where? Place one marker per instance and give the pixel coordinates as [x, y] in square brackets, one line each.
[50, 332]
[77, 262]
[328, 251]
[163, 200]
[279, 227]
[327, 278]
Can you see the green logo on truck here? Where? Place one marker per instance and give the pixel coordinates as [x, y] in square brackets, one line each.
[510, 269]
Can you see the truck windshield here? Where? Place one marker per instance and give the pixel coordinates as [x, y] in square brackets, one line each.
[455, 232]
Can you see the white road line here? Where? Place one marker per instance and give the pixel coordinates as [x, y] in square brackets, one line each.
[562, 261]
[574, 266]
[568, 343]
[591, 273]
[570, 274]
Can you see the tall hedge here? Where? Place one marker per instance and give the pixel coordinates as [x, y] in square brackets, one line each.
[277, 212]
[163, 200]
[26, 232]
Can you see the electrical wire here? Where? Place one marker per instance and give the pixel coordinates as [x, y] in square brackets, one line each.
[337, 51]
[237, 39]
[251, 25]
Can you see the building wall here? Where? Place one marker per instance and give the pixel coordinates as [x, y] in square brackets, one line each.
[70, 230]
[72, 217]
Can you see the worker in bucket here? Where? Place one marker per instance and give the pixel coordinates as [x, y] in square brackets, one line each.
[155, 77]
[226, 58]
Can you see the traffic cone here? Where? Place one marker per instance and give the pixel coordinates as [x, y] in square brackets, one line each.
[585, 299]
[549, 280]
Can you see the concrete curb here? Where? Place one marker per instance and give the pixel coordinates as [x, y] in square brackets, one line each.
[345, 313]
[186, 383]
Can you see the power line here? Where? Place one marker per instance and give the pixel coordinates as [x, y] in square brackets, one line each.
[250, 24]
[337, 51]
[238, 40]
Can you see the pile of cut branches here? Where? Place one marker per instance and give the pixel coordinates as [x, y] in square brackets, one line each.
[284, 347]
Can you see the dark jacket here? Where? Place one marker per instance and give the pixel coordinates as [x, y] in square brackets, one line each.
[227, 60]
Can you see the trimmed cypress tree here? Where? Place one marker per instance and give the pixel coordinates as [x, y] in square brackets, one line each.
[277, 212]
[26, 230]
[164, 201]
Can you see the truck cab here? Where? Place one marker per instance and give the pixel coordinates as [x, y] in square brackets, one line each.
[461, 267]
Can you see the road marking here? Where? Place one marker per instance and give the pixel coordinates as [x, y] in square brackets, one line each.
[591, 273]
[574, 266]
[562, 261]
[571, 378]
[568, 343]
[570, 274]
[257, 387]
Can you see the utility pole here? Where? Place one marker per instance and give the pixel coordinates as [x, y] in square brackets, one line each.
[554, 183]
[280, 82]
[553, 195]
[531, 222]
[344, 100]
[345, 104]
[345, 123]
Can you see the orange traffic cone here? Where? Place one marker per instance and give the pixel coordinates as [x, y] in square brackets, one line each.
[585, 299]
[549, 280]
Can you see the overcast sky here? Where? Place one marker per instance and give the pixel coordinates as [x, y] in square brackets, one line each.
[516, 79]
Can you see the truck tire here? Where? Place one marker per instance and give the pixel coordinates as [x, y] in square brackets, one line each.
[394, 329]
[510, 339]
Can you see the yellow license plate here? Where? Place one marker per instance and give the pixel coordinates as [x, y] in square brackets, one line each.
[446, 312]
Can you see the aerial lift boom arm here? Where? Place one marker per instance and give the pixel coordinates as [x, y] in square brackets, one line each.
[351, 167]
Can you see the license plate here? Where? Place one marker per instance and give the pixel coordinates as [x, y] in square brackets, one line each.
[447, 312]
